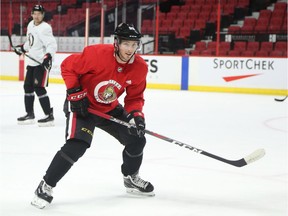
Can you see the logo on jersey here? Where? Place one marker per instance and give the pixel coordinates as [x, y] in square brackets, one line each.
[129, 82]
[119, 69]
[30, 39]
[105, 92]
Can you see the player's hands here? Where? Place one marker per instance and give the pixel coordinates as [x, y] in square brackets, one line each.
[137, 118]
[79, 102]
[47, 62]
[19, 49]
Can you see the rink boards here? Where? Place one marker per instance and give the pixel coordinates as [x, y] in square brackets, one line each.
[218, 74]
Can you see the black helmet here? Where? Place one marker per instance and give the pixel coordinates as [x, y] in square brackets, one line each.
[127, 32]
[39, 8]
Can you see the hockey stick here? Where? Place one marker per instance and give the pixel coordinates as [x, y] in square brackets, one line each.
[11, 44]
[254, 156]
[280, 100]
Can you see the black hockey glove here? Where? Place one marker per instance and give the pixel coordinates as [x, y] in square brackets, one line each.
[79, 102]
[47, 62]
[19, 49]
[137, 118]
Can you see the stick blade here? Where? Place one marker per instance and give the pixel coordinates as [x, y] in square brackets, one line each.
[254, 156]
[280, 99]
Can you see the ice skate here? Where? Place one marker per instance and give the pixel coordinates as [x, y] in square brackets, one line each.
[43, 195]
[135, 185]
[47, 121]
[28, 119]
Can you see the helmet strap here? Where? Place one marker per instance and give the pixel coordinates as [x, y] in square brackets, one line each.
[116, 49]
[119, 56]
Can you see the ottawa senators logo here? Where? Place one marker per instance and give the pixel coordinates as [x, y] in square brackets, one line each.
[30, 39]
[105, 92]
[108, 94]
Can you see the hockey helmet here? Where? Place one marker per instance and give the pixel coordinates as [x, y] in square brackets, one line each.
[39, 8]
[127, 32]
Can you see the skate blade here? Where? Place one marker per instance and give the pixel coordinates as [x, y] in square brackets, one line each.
[38, 202]
[134, 191]
[46, 124]
[26, 122]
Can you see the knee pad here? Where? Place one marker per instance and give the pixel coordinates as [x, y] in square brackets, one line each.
[73, 150]
[136, 148]
[28, 89]
[40, 91]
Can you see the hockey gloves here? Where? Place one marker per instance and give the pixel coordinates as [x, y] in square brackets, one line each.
[79, 102]
[136, 118]
[47, 62]
[19, 49]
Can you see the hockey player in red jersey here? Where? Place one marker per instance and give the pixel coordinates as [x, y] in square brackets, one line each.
[96, 79]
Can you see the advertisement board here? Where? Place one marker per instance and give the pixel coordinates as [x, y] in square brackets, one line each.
[238, 74]
[164, 72]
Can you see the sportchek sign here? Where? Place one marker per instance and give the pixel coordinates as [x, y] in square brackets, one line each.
[243, 64]
[246, 75]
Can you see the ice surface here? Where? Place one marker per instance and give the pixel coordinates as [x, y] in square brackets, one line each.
[186, 183]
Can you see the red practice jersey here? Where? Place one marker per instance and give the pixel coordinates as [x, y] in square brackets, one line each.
[97, 70]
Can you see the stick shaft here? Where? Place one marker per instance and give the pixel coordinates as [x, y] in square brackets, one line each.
[237, 163]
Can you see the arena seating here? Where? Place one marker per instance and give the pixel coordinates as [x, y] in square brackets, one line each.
[181, 20]
[195, 14]
[271, 21]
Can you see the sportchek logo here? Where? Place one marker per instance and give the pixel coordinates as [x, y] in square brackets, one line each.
[243, 64]
[233, 78]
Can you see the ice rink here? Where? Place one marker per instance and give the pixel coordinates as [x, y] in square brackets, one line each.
[186, 183]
